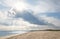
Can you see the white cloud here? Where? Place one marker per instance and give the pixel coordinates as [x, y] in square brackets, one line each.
[3, 15]
[32, 27]
[21, 5]
[21, 22]
[10, 3]
[42, 6]
[0, 2]
[45, 6]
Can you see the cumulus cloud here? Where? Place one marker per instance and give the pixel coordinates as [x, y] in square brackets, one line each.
[19, 24]
[17, 6]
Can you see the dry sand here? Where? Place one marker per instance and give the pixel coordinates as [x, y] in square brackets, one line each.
[2, 38]
[38, 35]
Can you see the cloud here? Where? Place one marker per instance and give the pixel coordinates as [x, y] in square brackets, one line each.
[41, 6]
[3, 15]
[21, 24]
[16, 20]
[4, 19]
[51, 20]
[19, 5]
[28, 28]
[47, 6]
[28, 16]
[0, 2]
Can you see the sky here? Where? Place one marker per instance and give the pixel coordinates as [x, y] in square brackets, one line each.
[29, 14]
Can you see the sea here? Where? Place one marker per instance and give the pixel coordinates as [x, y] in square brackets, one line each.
[7, 33]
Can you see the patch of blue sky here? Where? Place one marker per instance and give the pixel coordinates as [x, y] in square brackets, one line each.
[55, 15]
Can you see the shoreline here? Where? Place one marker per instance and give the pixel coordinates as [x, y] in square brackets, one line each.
[40, 32]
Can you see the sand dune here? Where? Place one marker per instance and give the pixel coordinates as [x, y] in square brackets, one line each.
[38, 35]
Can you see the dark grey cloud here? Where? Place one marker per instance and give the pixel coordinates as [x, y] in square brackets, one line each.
[27, 16]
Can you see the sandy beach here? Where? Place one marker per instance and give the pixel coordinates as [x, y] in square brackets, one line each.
[37, 35]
